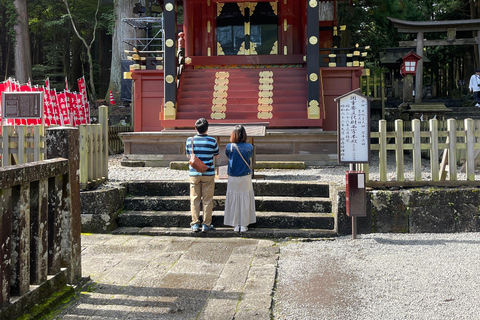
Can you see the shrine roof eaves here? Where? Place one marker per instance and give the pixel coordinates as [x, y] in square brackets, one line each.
[404, 26]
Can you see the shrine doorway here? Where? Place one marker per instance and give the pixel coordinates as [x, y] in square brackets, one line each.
[247, 28]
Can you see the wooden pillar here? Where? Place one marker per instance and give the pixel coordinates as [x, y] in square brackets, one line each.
[170, 60]
[313, 63]
[477, 59]
[419, 75]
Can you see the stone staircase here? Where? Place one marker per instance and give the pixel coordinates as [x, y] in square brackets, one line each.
[284, 209]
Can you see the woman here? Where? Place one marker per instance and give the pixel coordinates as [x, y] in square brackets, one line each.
[240, 201]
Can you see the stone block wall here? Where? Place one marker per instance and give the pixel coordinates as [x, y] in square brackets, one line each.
[424, 210]
[100, 209]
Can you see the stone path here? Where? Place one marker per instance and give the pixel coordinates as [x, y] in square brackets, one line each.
[142, 277]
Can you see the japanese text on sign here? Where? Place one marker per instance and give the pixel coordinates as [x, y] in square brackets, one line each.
[22, 105]
[353, 129]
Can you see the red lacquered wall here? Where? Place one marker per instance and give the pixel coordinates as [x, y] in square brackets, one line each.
[148, 100]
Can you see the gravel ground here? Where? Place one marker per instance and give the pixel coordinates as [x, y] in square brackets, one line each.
[118, 173]
[380, 276]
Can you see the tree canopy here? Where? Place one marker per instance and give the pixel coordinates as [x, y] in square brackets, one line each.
[57, 52]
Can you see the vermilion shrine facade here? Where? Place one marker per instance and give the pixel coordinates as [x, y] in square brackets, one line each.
[248, 62]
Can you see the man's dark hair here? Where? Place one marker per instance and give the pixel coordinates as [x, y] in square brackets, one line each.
[201, 125]
[477, 70]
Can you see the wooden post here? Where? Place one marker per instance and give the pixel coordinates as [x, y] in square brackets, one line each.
[469, 140]
[170, 60]
[434, 149]
[419, 75]
[417, 151]
[313, 62]
[103, 120]
[382, 79]
[452, 154]
[399, 150]
[383, 150]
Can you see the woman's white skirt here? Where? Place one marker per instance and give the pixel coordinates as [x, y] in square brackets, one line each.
[239, 202]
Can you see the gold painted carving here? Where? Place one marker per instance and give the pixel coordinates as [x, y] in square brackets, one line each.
[266, 74]
[169, 7]
[265, 115]
[219, 8]
[218, 116]
[219, 94]
[169, 78]
[313, 77]
[274, 48]
[241, 6]
[265, 95]
[170, 110]
[285, 25]
[265, 87]
[209, 51]
[285, 50]
[264, 101]
[220, 50]
[313, 3]
[313, 110]
[208, 3]
[313, 40]
[219, 101]
[169, 43]
[188, 60]
[274, 7]
[219, 108]
[208, 26]
[265, 108]
[251, 51]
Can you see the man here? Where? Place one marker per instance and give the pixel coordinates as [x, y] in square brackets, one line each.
[202, 185]
[475, 86]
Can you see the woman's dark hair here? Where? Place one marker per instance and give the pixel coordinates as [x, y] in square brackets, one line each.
[238, 134]
[201, 125]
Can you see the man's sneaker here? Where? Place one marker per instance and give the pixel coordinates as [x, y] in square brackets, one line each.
[196, 228]
[206, 228]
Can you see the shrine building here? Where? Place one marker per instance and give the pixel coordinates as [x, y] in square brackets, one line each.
[278, 64]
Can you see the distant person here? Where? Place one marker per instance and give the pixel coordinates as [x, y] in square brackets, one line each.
[240, 200]
[202, 185]
[474, 86]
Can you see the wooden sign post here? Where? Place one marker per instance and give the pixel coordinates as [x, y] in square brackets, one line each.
[353, 146]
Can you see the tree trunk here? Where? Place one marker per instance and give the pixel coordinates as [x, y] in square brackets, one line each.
[122, 9]
[23, 60]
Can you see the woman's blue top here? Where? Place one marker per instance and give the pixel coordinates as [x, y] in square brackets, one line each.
[236, 166]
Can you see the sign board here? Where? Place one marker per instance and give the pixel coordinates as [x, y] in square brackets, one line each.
[353, 114]
[22, 105]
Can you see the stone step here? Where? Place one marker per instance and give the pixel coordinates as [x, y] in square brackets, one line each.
[281, 220]
[272, 233]
[260, 188]
[262, 203]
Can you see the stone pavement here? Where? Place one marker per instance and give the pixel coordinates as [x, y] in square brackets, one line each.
[143, 277]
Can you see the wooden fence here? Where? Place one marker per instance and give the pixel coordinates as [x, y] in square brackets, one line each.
[25, 144]
[115, 144]
[449, 143]
[40, 224]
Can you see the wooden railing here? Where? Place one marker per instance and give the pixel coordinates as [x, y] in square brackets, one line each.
[40, 222]
[24, 144]
[446, 143]
[115, 144]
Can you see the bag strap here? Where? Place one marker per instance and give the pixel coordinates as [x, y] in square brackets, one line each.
[235, 145]
[192, 146]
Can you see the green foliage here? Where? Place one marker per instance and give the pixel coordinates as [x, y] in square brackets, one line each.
[368, 23]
